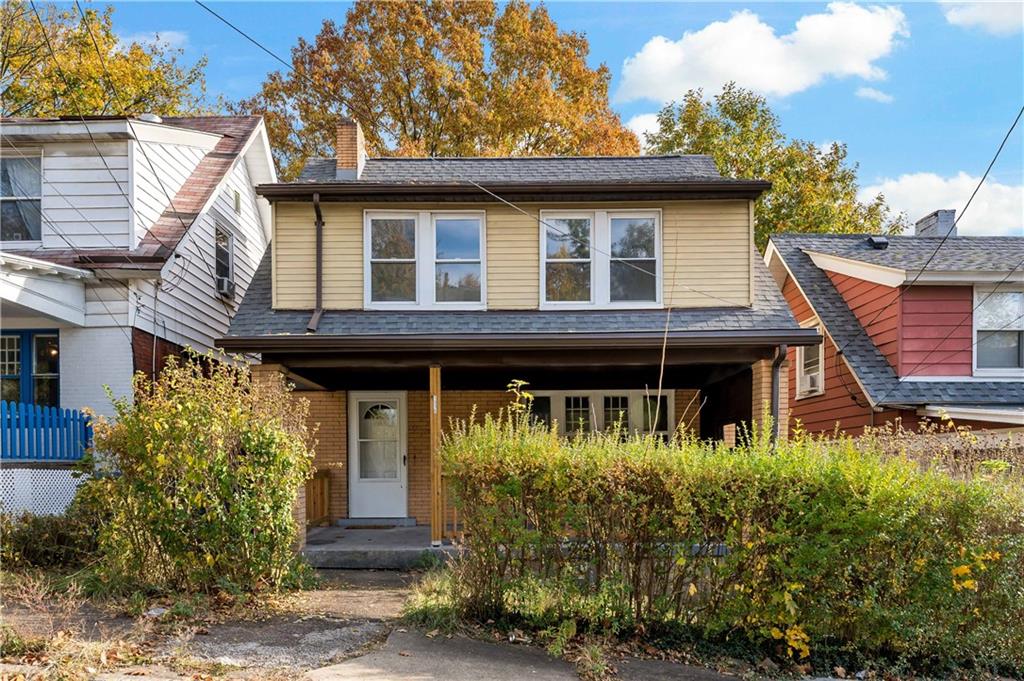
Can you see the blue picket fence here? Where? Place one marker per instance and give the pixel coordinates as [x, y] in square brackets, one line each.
[30, 432]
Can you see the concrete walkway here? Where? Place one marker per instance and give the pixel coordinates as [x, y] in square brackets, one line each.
[412, 656]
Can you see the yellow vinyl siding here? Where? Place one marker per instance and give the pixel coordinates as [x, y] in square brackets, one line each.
[706, 246]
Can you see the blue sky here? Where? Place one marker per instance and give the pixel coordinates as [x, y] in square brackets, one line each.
[921, 93]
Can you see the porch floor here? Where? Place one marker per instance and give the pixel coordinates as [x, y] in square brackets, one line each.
[392, 548]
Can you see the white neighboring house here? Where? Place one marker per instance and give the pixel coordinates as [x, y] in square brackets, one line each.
[122, 240]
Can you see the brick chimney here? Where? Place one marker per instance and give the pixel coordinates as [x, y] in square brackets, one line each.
[350, 149]
[939, 224]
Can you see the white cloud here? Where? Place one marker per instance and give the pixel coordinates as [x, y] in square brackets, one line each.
[998, 209]
[874, 95]
[999, 18]
[643, 123]
[174, 39]
[843, 41]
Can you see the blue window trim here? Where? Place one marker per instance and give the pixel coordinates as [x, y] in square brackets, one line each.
[27, 385]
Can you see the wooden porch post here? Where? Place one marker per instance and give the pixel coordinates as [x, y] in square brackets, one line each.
[436, 497]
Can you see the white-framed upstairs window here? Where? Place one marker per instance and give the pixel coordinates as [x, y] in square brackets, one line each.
[21, 189]
[417, 259]
[586, 411]
[998, 331]
[600, 259]
[810, 367]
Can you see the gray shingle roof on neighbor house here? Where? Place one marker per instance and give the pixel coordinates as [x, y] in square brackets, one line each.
[525, 170]
[871, 368]
[957, 254]
[256, 317]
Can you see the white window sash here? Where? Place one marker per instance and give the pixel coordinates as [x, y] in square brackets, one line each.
[601, 258]
[981, 294]
[803, 387]
[634, 421]
[425, 260]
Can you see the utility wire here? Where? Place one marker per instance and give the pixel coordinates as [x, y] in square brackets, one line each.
[945, 237]
[328, 98]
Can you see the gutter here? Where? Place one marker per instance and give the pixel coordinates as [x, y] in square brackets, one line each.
[318, 312]
[780, 356]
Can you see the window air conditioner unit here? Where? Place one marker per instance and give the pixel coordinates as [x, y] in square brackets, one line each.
[225, 287]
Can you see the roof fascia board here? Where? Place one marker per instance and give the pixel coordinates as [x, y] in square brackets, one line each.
[49, 131]
[378, 343]
[1011, 416]
[157, 133]
[21, 262]
[878, 274]
[824, 326]
[967, 277]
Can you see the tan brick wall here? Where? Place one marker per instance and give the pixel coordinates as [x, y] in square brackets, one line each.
[762, 395]
[688, 409]
[328, 414]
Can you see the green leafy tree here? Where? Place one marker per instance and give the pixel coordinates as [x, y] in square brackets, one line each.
[813, 189]
[147, 77]
[444, 79]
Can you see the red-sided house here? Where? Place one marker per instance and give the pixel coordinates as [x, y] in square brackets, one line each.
[899, 342]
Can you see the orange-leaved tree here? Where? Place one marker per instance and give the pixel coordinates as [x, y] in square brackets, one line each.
[442, 78]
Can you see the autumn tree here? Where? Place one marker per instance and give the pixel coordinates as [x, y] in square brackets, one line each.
[813, 189]
[146, 77]
[442, 78]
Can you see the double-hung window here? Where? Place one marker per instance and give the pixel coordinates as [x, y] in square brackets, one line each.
[810, 365]
[30, 367]
[998, 331]
[21, 183]
[601, 259]
[423, 259]
[224, 260]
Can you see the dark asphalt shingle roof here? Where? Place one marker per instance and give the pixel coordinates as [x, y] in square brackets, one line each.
[974, 253]
[256, 317]
[871, 368]
[598, 169]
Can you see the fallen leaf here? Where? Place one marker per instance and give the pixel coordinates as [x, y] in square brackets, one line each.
[404, 653]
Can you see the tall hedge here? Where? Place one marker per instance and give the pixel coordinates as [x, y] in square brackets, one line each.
[815, 546]
[207, 463]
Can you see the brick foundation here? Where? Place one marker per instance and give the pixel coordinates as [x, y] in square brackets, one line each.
[144, 350]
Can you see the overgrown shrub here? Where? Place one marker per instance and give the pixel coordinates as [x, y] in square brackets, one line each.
[828, 550]
[208, 463]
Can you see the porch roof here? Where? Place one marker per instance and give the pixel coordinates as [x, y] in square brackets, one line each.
[257, 326]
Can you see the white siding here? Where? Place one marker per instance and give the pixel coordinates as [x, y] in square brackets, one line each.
[172, 163]
[91, 358]
[188, 309]
[83, 195]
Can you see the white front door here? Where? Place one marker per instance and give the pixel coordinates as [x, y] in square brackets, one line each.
[377, 455]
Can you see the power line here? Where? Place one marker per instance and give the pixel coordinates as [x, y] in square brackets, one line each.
[945, 237]
[540, 221]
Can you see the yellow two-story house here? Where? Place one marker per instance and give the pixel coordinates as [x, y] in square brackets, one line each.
[399, 293]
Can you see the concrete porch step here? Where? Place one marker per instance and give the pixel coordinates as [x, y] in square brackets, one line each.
[395, 548]
[374, 523]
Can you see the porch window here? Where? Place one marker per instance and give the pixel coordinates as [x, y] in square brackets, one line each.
[30, 367]
[810, 370]
[21, 182]
[418, 259]
[595, 410]
[999, 331]
[601, 259]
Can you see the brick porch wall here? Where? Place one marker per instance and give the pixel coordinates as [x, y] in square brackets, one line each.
[762, 394]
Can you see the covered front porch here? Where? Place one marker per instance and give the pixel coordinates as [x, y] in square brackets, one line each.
[380, 415]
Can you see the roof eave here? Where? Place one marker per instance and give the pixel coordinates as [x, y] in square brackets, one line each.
[352, 191]
[539, 341]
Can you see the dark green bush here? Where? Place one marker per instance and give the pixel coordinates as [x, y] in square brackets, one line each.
[819, 548]
[209, 462]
